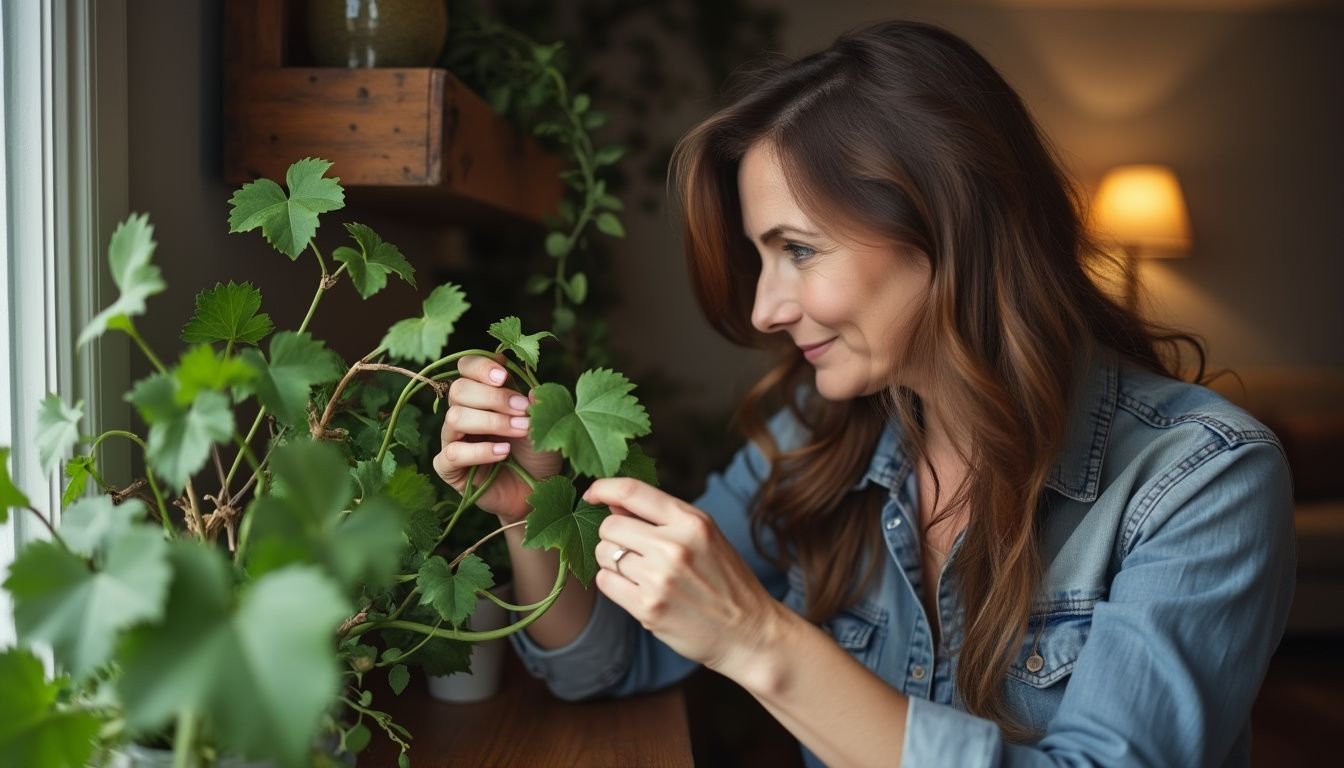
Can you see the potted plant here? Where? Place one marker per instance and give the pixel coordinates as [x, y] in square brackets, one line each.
[232, 601]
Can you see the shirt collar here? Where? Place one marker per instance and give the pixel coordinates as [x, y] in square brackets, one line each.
[1077, 469]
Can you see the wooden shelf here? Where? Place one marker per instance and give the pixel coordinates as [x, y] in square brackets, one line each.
[418, 133]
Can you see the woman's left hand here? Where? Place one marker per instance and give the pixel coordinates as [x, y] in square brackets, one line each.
[680, 577]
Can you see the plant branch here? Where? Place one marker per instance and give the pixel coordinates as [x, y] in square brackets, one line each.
[144, 347]
[149, 474]
[435, 385]
[417, 647]
[50, 529]
[330, 410]
[484, 539]
[467, 635]
[523, 474]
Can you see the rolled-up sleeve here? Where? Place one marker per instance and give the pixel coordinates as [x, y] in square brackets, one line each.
[1177, 651]
[614, 655]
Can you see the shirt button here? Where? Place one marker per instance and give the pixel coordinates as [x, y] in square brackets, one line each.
[1035, 663]
[893, 523]
[917, 672]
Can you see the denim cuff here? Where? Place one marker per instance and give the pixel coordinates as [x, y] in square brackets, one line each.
[939, 735]
[589, 665]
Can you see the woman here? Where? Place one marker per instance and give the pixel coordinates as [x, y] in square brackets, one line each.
[987, 526]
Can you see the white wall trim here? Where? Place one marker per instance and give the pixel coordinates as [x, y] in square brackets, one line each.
[64, 170]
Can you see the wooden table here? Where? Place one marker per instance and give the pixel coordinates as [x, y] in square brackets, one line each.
[525, 725]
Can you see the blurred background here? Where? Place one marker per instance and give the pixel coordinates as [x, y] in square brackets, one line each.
[1240, 102]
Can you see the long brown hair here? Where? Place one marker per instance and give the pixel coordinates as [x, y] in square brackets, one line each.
[903, 131]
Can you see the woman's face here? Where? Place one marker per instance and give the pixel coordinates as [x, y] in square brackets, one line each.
[821, 287]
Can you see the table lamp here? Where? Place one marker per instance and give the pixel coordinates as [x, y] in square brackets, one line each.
[1140, 208]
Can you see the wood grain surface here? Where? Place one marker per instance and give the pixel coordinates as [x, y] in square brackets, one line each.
[524, 725]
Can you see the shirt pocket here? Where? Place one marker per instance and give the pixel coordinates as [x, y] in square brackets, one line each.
[858, 629]
[1056, 633]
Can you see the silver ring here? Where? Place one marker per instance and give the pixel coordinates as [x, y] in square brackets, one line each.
[616, 558]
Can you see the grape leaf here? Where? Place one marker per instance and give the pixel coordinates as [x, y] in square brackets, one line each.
[527, 347]
[397, 678]
[370, 265]
[298, 362]
[263, 666]
[301, 521]
[57, 598]
[57, 430]
[592, 433]
[638, 465]
[453, 595]
[34, 730]
[201, 369]
[180, 435]
[410, 489]
[79, 469]
[372, 475]
[423, 338]
[288, 223]
[555, 523]
[128, 256]
[90, 525]
[228, 313]
[10, 495]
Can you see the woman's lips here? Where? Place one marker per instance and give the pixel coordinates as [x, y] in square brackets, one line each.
[814, 352]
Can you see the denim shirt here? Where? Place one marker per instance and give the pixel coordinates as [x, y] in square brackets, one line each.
[1168, 555]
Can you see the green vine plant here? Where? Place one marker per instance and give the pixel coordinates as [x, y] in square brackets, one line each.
[244, 621]
[523, 80]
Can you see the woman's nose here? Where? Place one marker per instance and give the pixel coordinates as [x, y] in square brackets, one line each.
[776, 305]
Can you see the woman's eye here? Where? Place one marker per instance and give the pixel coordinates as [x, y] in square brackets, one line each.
[800, 253]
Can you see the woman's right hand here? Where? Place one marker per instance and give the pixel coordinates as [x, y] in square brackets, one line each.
[487, 422]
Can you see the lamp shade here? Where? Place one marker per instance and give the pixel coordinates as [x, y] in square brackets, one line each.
[1141, 208]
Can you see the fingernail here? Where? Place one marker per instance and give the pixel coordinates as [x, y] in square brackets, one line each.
[518, 403]
[497, 375]
[519, 422]
[500, 449]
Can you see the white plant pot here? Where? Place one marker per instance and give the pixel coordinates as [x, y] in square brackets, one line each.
[487, 659]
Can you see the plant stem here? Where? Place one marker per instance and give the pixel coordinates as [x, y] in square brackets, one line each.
[523, 474]
[467, 635]
[394, 369]
[182, 741]
[320, 261]
[330, 410]
[509, 606]
[194, 510]
[144, 347]
[417, 647]
[484, 539]
[149, 474]
[54, 535]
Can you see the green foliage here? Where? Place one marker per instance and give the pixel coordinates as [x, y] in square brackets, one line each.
[526, 346]
[287, 222]
[298, 363]
[422, 338]
[370, 265]
[453, 594]
[305, 519]
[60, 600]
[180, 435]
[556, 523]
[10, 495]
[35, 729]
[128, 256]
[332, 537]
[594, 432]
[201, 370]
[57, 430]
[228, 313]
[78, 469]
[261, 665]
